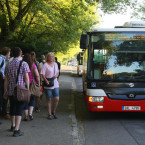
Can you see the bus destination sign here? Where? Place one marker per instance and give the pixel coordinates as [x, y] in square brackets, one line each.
[123, 37]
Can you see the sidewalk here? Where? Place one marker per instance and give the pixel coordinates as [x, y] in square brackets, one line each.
[42, 131]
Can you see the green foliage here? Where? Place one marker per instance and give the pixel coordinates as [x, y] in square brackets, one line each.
[71, 53]
[113, 6]
[29, 24]
[139, 11]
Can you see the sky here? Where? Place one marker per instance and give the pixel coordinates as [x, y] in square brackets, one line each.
[109, 21]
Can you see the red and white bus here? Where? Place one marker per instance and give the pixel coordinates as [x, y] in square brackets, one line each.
[114, 68]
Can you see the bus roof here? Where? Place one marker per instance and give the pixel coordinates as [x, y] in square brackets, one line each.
[118, 30]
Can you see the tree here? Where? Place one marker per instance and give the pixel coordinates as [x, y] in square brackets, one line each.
[11, 21]
[139, 11]
[113, 6]
[31, 23]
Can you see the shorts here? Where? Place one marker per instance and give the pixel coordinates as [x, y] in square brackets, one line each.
[16, 108]
[52, 93]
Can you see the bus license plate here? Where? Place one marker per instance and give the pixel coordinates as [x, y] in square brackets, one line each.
[131, 107]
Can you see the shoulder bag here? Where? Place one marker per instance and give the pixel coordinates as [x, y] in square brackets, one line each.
[34, 87]
[50, 80]
[21, 94]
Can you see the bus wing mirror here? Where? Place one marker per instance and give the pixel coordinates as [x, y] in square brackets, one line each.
[84, 41]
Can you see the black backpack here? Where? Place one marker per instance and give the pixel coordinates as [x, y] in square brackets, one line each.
[2, 64]
[1, 75]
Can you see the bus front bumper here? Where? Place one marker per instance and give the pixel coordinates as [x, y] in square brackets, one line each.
[110, 105]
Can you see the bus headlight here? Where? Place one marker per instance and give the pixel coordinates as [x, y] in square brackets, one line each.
[96, 99]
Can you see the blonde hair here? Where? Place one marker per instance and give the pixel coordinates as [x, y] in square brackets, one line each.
[47, 56]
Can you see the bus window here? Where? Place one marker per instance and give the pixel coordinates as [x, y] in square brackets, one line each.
[117, 57]
[99, 63]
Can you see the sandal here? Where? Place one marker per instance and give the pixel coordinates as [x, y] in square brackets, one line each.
[54, 115]
[50, 117]
[25, 119]
[12, 128]
[30, 117]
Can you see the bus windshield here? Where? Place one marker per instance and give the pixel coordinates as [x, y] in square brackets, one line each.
[117, 56]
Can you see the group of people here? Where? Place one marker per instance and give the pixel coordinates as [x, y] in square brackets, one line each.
[30, 70]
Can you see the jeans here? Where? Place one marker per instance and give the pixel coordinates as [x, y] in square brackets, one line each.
[3, 102]
[52, 93]
[31, 103]
[4, 106]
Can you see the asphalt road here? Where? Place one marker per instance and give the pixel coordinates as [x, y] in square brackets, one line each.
[107, 128]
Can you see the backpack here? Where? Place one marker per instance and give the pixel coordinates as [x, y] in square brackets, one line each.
[2, 64]
[1, 75]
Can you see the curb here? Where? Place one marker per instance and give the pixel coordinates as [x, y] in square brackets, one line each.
[73, 118]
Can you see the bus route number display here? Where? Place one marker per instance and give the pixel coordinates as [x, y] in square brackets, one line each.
[124, 37]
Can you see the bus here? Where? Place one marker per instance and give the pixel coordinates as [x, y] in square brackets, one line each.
[79, 63]
[113, 75]
[72, 62]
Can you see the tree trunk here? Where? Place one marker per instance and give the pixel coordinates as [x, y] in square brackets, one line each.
[4, 31]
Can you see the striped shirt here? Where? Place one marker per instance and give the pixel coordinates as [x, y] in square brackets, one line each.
[11, 73]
